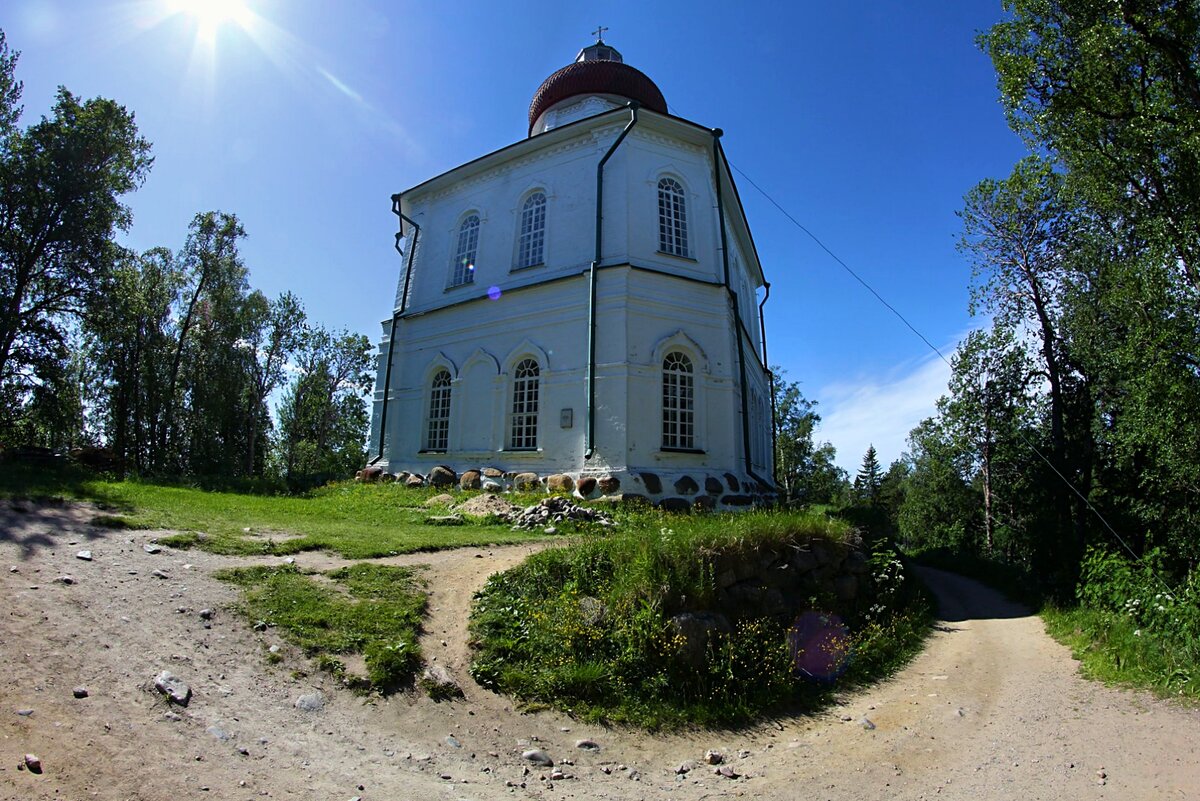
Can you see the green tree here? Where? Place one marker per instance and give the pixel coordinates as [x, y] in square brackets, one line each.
[323, 415]
[941, 509]
[869, 478]
[804, 469]
[215, 280]
[60, 183]
[1111, 90]
[130, 325]
[275, 331]
[1020, 234]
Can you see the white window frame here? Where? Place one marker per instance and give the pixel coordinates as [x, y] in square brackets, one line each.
[678, 401]
[524, 405]
[672, 217]
[437, 423]
[462, 264]
[531, 234]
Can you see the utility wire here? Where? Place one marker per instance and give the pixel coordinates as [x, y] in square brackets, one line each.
[942, 356]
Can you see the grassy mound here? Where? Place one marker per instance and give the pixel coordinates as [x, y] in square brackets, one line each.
[607, 627]
[367, 610]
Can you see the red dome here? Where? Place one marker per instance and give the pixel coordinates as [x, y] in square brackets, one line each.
[596, 77]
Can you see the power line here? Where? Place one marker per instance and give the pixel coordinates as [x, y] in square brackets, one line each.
[1091, 507]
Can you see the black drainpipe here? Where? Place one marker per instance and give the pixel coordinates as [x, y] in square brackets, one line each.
[590, 448]
[737, 312]
[387, 374]
[762, 326]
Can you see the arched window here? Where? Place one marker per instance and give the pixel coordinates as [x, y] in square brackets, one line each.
[531, 240]
[672, 218]
[523, 423]
[463, 265]
[437, 433]
[678, 402]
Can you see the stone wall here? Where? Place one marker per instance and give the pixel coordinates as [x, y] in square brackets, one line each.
[672, 492]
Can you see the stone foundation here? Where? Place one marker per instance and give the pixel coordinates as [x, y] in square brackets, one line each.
[677, 491]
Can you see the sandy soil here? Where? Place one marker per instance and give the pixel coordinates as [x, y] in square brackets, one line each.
[993, 708]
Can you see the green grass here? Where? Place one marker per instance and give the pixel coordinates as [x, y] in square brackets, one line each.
[358, 521]
[586, 628]
[368, 610]
[1111, 649]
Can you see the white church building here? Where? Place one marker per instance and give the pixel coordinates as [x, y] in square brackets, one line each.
[584, 305]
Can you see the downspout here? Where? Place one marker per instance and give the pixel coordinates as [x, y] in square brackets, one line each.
[590, 444]
[762, 326]
[387, 374]
[737, 312]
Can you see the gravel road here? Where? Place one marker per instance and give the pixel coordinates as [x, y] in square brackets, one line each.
[993, 708]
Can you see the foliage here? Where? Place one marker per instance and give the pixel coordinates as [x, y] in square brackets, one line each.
[588, 628]
[1131, 627]
[62, 178]
[323, 415]
[1077, 412]
[804, 468]
[375, 611]
[869, 479]
[1111, 90]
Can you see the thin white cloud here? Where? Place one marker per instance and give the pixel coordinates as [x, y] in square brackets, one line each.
[880, 412]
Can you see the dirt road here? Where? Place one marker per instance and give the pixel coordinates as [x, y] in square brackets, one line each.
[993, 708]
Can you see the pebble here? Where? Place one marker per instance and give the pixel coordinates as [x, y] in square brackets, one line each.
[218, 732]
[151, 549]
[14, 569]
[683, 769]
[867, 724]
[24, 712]
[160, 574]
[80, 692]
[173, 687]
[538, 757]
[311, 702]
[206, 614]
[712, 757]
[453, 742]
[84, 555]
[727, 772]
[33, 763]
[173, 716]
[557, 775]
[63, 579]
[587, 745]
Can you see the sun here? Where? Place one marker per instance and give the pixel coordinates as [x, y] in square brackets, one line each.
[211, 15]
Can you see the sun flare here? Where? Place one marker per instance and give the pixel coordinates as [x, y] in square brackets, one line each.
[210, 15]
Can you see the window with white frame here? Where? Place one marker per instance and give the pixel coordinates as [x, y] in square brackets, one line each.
[437, 432]
[531, 240]
[672, 218]
[523, 422]
[678, 402]
[463, 264]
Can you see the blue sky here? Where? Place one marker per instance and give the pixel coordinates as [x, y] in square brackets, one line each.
[866, 122]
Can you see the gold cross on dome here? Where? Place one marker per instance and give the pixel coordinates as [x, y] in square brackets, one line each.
[599, 33]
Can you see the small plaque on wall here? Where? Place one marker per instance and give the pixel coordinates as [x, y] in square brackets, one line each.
[566, 418]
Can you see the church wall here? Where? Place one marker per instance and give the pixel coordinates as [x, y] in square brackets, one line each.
[480, 343]
[639, 314]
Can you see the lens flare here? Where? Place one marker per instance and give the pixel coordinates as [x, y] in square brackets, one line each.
[819, 643]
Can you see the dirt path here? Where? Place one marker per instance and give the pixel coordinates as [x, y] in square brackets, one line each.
[992, 709]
